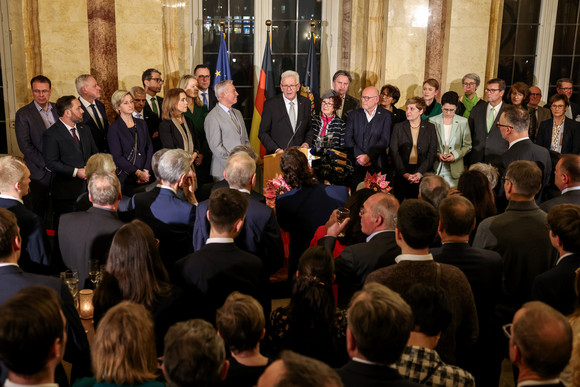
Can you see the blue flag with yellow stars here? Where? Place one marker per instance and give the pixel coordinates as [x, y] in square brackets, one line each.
[222, 69]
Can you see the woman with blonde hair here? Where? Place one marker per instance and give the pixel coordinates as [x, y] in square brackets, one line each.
[123, 350]
[197, 111]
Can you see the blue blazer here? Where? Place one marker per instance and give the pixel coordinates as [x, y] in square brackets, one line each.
[30, 129]
[373, 140]
[570, 139]
[121, 143]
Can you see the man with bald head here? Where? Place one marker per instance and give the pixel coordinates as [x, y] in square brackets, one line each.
[537, 113]
[567, 179]
[368, 133]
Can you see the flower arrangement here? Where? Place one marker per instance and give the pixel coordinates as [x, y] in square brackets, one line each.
[275, 187]
[377, 182]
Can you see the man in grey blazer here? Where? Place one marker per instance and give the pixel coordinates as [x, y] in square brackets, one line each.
[31, 122]
[224, 128]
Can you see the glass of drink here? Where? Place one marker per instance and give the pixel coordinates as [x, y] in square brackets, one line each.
[94, 272]
[71, 280]
[341, 215]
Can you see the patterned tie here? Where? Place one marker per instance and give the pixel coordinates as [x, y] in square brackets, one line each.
[138, 115]
[75, 137]
[292, 114]
[204, 95]
[233, 117]
[490, 119]
[97, 118]
[154, 106]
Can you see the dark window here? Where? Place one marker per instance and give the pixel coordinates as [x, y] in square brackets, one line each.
[519, 34]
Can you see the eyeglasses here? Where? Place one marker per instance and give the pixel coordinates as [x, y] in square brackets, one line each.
[449, 110]
[327, 103]
[469, 83]
[507, 330]
[499, 126]
[506, 179]
[565, 88]
[203, 76]
[535, 94]
[287, 87]
[558, 106]
[385, 95]
[491, 90]
[366, 98]
[157, 80]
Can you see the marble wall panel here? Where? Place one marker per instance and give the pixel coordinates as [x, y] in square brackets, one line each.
[16, 12]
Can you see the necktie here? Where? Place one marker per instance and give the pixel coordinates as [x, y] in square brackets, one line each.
[154, 106]
[292, 114]
[138, 115]
[204, 95]
[75, 137]
[490, 119]
[233, 117]
[97, 118]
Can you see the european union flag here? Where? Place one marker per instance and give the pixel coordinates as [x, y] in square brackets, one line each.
[310, 88]
[222, 69]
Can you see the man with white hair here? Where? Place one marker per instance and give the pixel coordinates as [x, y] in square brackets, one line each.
[224, 127]
[286, 117]
[94, 113]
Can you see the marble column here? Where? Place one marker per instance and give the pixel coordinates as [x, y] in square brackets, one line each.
[373, 74]
[32, 38]
[171, 42]
[434, 50]
[495, 20]
[346, 31]
[103, 48]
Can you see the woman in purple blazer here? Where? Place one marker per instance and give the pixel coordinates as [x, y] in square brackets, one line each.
[130, 144]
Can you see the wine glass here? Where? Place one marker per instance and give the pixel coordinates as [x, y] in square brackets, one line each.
[341, 215]
[71, 280]
[94, 272]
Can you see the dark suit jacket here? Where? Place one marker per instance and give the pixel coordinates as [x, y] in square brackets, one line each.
[260, 234]
[275, 128]
[370, 138]
[62, 156]
[555, 287]
[221, 268]
[170, 137]
[30, 128]
[486, 147]
[527, 150]
[350, 103]
[359, 260]
[402, 145]
[121, 143]
[172, 222]
[100, 136]
[570, 139]
[153, 121]
[211, 98]
[572, 197]
[356, 374]
[253, 194]
[13, 279]
[35, 256]
[84, 236]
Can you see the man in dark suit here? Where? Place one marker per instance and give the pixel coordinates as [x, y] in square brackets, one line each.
[566, 86]
[152, 83]
[14, 185]
[68, 144]
[368, 134]
[359, 260]
[538, 114]
[556, 287]
[94, 113]
[93, 229]
[170, 217]
[514, 126]
[340, 82]
[286, 117]
[539, 356]
[221, 267]
[30, 124]
[567, 179]
[483, 269]
[379, 325]
[487, 143]
[260, 234]
[13, 279]
[206, 93]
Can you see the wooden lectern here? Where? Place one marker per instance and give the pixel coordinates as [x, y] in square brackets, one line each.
[272, 165]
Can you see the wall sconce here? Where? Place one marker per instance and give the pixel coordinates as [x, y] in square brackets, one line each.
[86, 304]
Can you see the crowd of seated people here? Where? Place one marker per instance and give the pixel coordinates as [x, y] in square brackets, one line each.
[435, 282]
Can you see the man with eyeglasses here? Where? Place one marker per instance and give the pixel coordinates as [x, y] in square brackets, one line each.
[94, 113]
[540, 344]
[565, 86]
[286, 117]
[206, 93]
[538, 113]
[487, 142]
[152, 84]
[470, 99]
[30, 124]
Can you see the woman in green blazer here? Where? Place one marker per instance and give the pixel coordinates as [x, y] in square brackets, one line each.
[454, 139]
